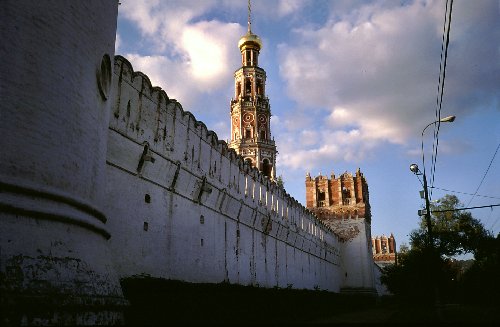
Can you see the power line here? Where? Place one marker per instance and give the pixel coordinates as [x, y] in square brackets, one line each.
[439, 99]
[459, 209]
[482, 196]
[485, 222]
[485, 173]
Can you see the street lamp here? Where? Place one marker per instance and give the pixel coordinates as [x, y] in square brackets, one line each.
[414, 169]
[430, 241]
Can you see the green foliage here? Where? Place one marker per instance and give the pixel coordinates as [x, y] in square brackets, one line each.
[454, 232]
[422, 270]
[411, 279]
[481, 283]
[280, 182]
[403, 248]
[419, 274]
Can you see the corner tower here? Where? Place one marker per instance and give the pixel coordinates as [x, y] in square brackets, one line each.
[250, 109]
[343, 204]
[338, 198]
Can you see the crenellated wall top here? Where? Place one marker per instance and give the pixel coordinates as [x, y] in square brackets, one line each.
[142, 119]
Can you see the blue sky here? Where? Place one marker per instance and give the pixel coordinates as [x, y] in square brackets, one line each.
[351, 84]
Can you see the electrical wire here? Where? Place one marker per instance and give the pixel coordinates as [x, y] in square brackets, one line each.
[442, 72]
[439, 99]
[482, 196]
[469, 208]
[484, 176]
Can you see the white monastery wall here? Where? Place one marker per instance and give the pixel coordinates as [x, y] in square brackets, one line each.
[102, 176]
[379, 286]
[357, 261]
[181, 205]
[56, 71]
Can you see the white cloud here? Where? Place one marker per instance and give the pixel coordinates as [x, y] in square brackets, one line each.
[340, 116]
[374, 70]
[117, 43]
[287, 7]
[329, 146]
[165, 73]
[361, 76]
[188, 58]
[209, 53]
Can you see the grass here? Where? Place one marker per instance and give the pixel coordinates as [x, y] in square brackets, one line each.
[164, 302]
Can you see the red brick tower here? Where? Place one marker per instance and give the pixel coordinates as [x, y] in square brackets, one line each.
[250, 109]
[344, 197]
[384, 250]
[342, 203]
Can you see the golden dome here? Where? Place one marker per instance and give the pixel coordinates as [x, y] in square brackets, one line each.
[250, 38]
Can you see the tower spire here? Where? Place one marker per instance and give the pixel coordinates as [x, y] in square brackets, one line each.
[249, 18]
[250, 109]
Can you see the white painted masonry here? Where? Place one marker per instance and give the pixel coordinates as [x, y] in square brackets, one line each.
[55, 74]
[102, 177]
[210, 217]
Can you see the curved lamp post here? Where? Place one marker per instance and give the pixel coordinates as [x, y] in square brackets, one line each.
[414, 169]
[430, 241]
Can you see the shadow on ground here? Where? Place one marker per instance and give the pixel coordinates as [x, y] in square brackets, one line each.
[164, 302]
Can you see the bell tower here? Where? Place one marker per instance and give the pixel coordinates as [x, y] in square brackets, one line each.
[250, 109]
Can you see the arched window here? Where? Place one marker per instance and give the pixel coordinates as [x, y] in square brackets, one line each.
[248, 161]
[346, 194]
[248, 57]
[238, 90]
[248, 133]
[259, 87]
[266, 168]
[248, 86]
[262, 135]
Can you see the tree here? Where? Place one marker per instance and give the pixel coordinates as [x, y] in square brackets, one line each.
[454, 231]
[422, 270]
[480, 283]
[280, 181]
[406, 279]
[403, 248]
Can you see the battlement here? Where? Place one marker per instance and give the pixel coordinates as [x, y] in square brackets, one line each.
[384, 249]
[345, 196]
[130, 184]
[155, 147]
[147, 115]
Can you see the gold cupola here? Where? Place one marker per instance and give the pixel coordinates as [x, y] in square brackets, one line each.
[250, 40]
[250, 109]
[250, 45]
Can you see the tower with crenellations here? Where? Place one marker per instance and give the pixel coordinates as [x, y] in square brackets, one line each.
[384, 250]
[337, 198]
[342, 203]
[104, 178]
